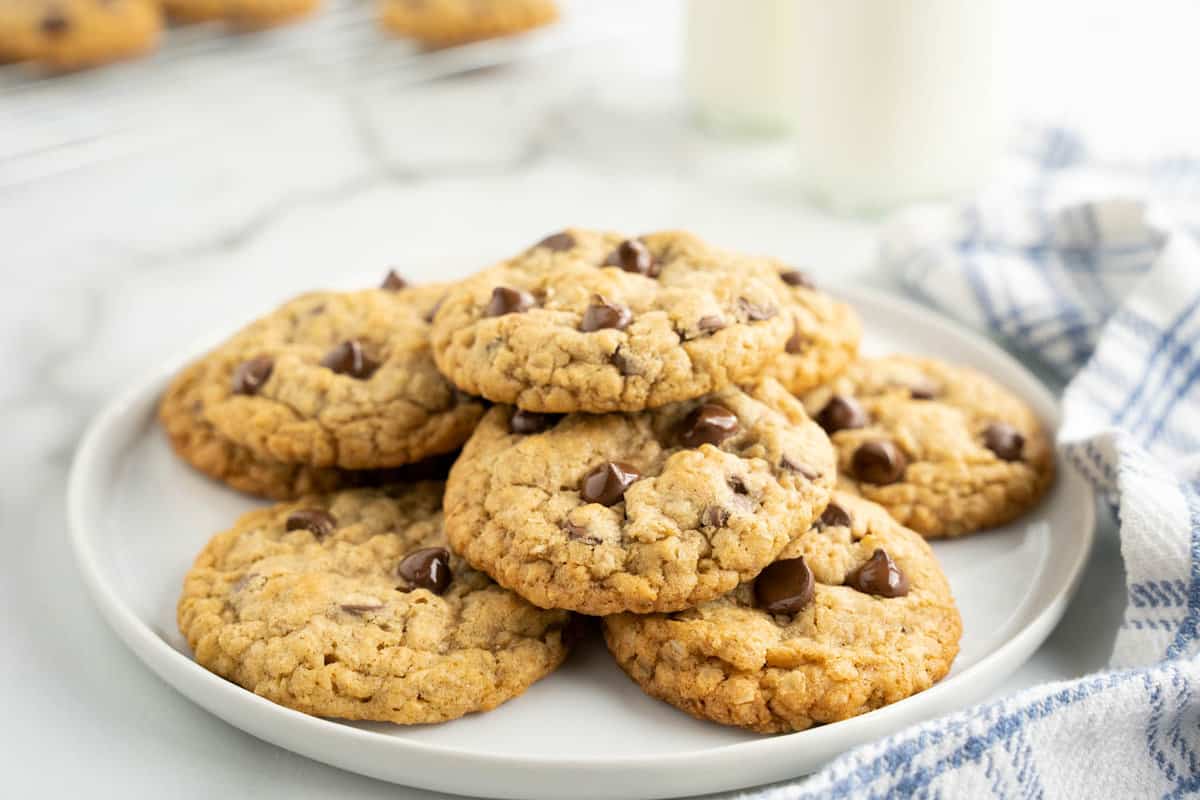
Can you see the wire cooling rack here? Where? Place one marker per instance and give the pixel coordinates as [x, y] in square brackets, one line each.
[50, 123]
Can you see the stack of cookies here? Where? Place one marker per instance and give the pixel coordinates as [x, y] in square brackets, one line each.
[678, 439]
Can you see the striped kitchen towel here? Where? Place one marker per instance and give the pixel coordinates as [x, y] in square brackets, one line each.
[1093, 268]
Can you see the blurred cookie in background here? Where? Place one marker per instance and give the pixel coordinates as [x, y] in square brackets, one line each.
[64, 35]
[442, 23]
[240, 13]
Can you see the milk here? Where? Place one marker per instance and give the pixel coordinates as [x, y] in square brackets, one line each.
[738, 64]
[888, 101]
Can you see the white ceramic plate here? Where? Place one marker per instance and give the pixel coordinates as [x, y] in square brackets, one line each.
[138, 516]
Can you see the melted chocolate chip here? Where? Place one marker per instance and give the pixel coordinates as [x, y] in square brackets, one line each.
[316, 520]
[528, 422]
[578, 533]
[393, 282]
[633, 256]
[800, 469]
[879, 461]
[710, 323]
[708, 424]
[506, 300]
[358, 609]
[737, 485]
[841, 413]
[1005, 441]
[922, 391]
[755, 312]
[797, 278]
[834, 516]
[250, 375]
[55, 24]
[714, 517]
[606, 484]
[348, 358]
[796, 344]
[604, 314]
[879, 576]
[558, 242]
[785, 587]
[623, 364]
[427, 568]
[436, 307]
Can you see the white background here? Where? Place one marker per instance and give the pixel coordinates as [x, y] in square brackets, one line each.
[140, 205]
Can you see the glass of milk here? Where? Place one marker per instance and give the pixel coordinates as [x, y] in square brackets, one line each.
[889, 101]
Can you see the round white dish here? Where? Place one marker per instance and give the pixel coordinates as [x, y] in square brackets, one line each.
[138, 516]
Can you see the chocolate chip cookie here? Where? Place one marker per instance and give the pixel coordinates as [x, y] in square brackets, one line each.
[240, 13]
[441, 23]
[181, 413]
[349, 605]
[73, 34]
[338, 379]
[649, 511]
[945, 449]
[855, 614]
[587, 321]
[825, 334]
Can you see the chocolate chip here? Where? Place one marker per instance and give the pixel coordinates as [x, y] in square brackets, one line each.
[714, 517]
[879, 461]
[558, 242]
[55, 24]
[737, 485]
[508, 301]
[834, 516]
[785, 587]
[633, 256]
[316, 520]
[841, 413]
[433, 311]
[923, 391]
[606, 484]
[427, 568]
[708, 424]
[797, 278]
[1004, 440]
[250, 375]
[796, 344]
[393, 282]
[604, 314]
[879, 576]
[800, 469]
[527, 422]
[755, 312]
[710, 324]
[358, 609]
[623, 364]
[579, 533]
[348, 358]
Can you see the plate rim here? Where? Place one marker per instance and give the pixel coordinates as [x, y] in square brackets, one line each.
[186, 676]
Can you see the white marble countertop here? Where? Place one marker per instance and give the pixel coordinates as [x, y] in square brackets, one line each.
[140, 208]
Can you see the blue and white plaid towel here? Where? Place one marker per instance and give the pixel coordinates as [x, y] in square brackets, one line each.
[1064, 263]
